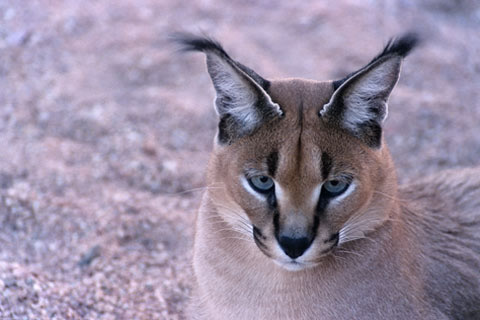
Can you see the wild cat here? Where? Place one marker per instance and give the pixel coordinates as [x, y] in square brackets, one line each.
[303, 217]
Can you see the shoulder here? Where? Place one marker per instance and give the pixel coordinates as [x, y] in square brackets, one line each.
[455, 190]
[444, 210]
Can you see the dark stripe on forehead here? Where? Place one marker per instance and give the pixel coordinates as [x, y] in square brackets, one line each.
[326, 165]
[272, 163]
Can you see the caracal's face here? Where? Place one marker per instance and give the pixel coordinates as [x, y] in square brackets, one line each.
[299, 188]
[300, 167]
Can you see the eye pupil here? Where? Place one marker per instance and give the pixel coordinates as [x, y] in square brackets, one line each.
[334, 183]
[263, 179]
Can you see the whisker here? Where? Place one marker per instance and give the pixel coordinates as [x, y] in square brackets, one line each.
[235, 238]
[191, 190]
[357, 227]
[337, 256]
[232, 229]
[389, 196]
[341, 250]
[226, 207]
[220, 219]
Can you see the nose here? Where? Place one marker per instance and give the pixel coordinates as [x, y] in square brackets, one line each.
[294, 247]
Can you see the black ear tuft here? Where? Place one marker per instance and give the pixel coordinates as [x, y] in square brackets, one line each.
[190, 42]
[359, 102]
[400, 46]
[242, 102]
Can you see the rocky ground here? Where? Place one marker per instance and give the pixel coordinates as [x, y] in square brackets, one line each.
[105, 131]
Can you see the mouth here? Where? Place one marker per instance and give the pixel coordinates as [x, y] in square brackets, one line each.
[294, 264]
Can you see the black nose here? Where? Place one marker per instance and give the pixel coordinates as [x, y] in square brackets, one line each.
[294, 247]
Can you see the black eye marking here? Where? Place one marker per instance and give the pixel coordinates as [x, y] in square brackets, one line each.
[272, 163]
[276, 223]
[326, 165]
[272, 200]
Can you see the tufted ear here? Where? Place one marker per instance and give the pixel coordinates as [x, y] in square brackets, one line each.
[242, 102]
[359, 103]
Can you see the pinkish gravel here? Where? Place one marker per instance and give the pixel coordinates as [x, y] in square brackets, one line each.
[105, 133]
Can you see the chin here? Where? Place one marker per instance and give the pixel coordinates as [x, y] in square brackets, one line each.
[293, 265]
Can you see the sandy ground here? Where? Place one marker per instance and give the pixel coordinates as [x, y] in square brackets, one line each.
[105, 133]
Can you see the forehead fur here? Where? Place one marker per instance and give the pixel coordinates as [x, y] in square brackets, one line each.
[299, 137]
[300, 101]
[299, 95]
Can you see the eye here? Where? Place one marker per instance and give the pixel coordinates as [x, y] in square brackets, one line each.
[334, 188]
[262, 184]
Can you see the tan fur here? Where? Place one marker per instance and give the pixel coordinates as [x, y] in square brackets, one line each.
[412, 252]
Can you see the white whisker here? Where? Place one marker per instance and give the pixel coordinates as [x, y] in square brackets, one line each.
[209, 187]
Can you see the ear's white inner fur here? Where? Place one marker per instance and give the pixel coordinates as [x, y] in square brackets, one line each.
[229, 83]
[370, 85]
[366, 89]
[243, 91]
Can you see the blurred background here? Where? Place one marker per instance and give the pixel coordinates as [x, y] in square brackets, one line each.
[105, 131]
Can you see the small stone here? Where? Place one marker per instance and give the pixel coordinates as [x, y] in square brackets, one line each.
[10, 282]
[6, 180]
[89, 256]
[149, 148]
[17, 39]
[29, 282]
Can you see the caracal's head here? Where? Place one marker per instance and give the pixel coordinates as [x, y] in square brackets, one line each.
[300, 167]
